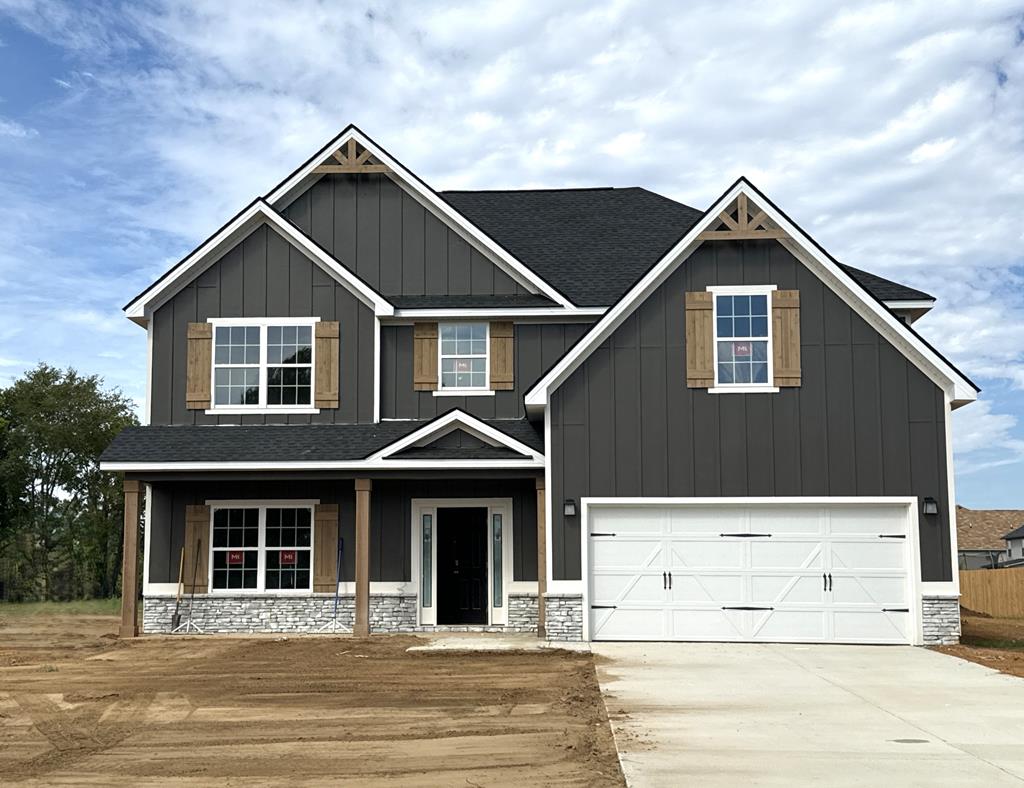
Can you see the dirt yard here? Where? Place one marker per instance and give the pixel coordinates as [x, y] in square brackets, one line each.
[997, 643]
[79, 706]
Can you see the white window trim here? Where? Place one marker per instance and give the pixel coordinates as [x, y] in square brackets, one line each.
[261, 563]
[475, 391]
[262, 408]
[742, 388]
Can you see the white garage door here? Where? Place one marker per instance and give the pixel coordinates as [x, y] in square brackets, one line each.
[765, 572]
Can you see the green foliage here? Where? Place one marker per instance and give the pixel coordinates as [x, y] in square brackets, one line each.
[81, 607]
[60, 516]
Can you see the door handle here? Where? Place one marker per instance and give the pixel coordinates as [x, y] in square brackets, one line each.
[824, 582]
[829, 581]
[664, 580]
[669, 581]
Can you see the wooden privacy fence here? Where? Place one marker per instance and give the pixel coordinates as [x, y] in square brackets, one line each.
[997, 592]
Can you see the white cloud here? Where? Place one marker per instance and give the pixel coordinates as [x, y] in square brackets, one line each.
[8, 128]
[892, 131]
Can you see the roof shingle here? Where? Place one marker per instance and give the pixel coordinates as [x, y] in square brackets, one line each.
[986, 529]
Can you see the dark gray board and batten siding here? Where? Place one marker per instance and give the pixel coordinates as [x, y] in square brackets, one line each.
[377, 230]
[263, 276]
[865, 420]
[538, 346]
[390, 518]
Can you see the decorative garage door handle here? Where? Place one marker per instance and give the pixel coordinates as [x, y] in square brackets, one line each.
[745, 607]
[747, 536]
[664, 579]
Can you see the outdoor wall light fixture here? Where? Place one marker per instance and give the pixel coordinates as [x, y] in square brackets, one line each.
[930, 506]
[569, 507]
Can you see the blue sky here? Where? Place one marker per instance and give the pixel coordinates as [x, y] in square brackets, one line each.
[893, 132]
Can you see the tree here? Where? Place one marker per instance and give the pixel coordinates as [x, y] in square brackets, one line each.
[61, 532]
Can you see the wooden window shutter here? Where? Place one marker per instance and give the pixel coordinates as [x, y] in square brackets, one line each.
[327, 365]
[325, 547]
[197, 537]
[503, 357]
[700, 336]
[786, 337]
[424, 352]
[199, 366]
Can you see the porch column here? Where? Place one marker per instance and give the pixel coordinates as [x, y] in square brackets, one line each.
[361, 627]
[130, 559]
[542, 556]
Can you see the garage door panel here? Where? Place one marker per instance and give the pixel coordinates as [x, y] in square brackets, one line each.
[757, 572]
[630, 624]
[705, 554]
[709, 624]
[785, 589]
[870, 626]
[716, 588]
[775, 625]
[864, 520]
[880, 590]
[635, 521]
[628, 588]
[771, 554]
[878, 554]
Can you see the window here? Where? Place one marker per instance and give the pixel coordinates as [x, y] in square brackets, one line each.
[742, 337]
[263, 365]
[463, 351]
[262, 548]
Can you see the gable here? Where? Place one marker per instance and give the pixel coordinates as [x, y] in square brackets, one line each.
[765, 221]
[261, 275]
[458, 444]
[380, 232]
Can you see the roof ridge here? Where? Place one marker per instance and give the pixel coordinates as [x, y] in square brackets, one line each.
[547, 189]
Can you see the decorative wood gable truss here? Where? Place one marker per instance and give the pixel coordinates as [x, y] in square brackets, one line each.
[739, 222]
[352, 159]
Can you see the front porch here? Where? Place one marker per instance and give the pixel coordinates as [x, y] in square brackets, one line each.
[313, 552]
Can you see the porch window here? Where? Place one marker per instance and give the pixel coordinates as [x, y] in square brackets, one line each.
[263, 364]
[463, 356]
[262, 548]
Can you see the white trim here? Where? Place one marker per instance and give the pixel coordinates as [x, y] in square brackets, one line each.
[549, 526]
[742, 289]
[909, 305]
[878, 316]
[429, 199]
[492, 313]
[149, 374]
[485, 389]
[323, 465]
[457, 419]
[376, 369]
[463, 392]
[211, 250]
[911, 503]
[768, 386]
[954, 583]
[496, 616]
[263, 366]
[261, 507]
[346, 588]
[147, 535]
[744, 389]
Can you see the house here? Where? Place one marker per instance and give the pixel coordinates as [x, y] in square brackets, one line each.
[1015, 547]
[983, 534]
[586, 413]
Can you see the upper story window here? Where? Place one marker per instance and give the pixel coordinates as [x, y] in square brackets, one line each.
[263, 363]
[464, 356]
[743, 341]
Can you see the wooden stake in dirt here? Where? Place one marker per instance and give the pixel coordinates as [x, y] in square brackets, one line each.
[176, 618]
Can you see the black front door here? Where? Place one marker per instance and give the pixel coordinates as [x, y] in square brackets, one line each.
[462, 566]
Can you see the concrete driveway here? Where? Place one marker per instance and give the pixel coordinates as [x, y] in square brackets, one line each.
[741, 714]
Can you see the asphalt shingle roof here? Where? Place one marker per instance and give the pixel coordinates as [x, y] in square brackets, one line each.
[281, 442]
[594, 244]
[1016, 533]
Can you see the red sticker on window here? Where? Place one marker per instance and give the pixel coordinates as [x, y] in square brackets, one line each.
[741, 348]
[287, 558]
[236, 557]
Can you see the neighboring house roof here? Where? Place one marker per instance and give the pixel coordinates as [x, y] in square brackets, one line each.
[594, 244]
[954, 383]
[986, 529]
[288, 445]
[1016, 533]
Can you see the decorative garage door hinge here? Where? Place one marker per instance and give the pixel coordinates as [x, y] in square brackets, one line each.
[747, 536]
[602, 534]
[603, 607]
[745, 607]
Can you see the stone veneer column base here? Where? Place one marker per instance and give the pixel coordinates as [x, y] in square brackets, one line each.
[564, 616]
[522, 613]
[940, 619]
